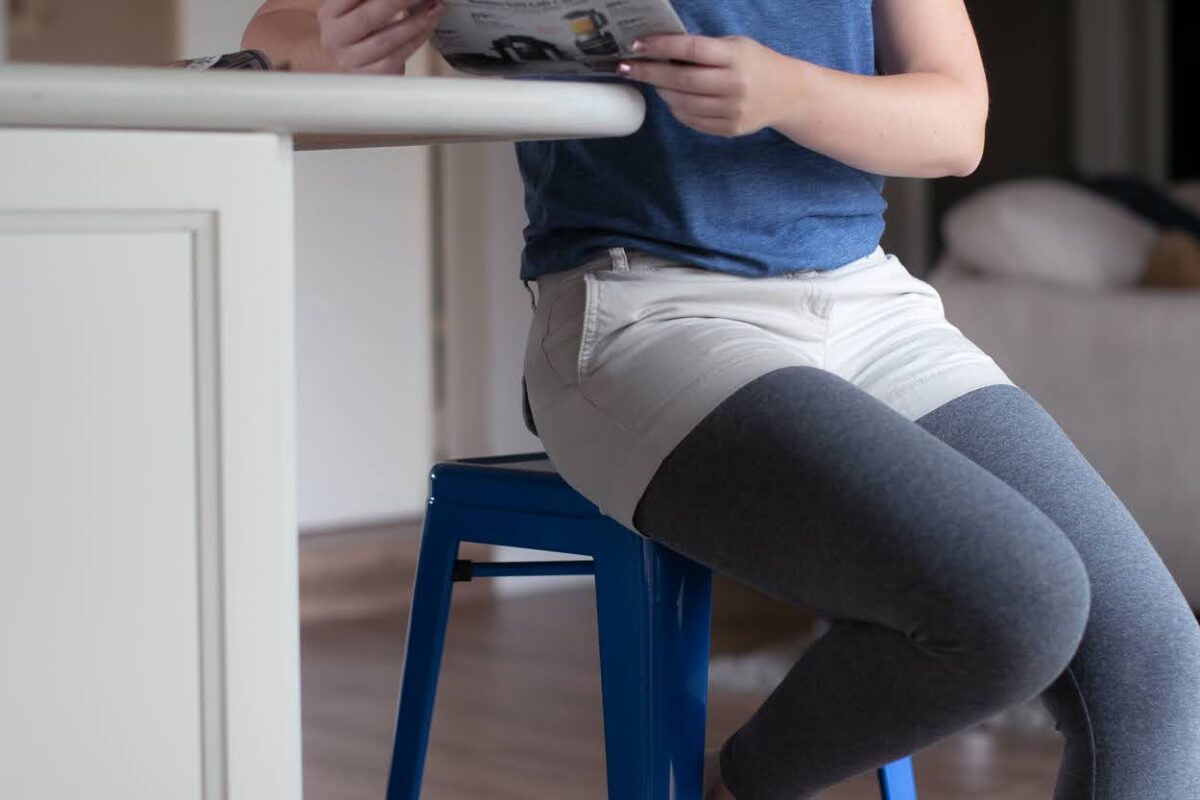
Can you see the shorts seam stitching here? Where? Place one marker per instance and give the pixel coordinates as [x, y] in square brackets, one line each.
[905, 388]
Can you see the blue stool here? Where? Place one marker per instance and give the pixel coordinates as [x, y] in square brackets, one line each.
[653, 607]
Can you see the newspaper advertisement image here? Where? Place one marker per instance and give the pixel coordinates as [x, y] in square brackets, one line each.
[548, 37]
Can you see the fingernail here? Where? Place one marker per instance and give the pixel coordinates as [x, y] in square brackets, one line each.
[637, 46]
[624, 68]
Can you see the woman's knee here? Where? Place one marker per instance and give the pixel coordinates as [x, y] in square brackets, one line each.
[1024, 627]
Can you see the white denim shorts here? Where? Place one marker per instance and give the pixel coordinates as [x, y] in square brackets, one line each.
[628, 352]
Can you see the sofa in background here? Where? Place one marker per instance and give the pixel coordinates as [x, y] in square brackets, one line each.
[1050, 290]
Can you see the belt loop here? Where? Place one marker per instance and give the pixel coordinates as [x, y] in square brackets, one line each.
[820, 300]
[620, 259]
[532, 299]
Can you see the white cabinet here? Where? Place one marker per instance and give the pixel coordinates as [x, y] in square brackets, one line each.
[147, 501]
[364, 335]
[148, 597]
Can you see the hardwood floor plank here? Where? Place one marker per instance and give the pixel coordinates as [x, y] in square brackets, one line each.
[518, 714]
[353, 573]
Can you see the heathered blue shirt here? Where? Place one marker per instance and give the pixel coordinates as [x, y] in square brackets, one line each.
[756, 205]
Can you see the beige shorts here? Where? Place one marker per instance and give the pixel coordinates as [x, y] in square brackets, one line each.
[628, 352]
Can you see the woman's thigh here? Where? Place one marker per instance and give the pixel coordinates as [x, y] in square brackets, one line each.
[627, 354]
[821, 495]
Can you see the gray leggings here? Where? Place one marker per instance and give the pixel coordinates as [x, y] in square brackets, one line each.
[968, 562]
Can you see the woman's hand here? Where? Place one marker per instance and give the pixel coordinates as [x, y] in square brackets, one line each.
[376, 36]
[727, 86]
[924, 117]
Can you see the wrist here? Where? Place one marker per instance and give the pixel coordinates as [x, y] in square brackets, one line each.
[792, 93]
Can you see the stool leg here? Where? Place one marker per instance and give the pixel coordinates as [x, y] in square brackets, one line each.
[654, 611]
[427, 619]
[896, 780]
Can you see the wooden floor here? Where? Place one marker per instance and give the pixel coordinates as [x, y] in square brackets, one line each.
[518, 714]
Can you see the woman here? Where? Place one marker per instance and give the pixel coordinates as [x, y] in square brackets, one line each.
[723, 359]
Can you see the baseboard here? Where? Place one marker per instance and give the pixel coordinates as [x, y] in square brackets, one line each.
[367, 571]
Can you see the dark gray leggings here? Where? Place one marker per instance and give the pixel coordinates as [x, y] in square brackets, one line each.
[968, 562]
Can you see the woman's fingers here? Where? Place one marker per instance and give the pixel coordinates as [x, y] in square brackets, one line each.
[713, 85]
[695, 104]
[397, 40]
[703, 50]
[373, 15]
[335, 8]
[346, 22]
[713, 115]
[394, 62]
[681, 77]
[376, 35]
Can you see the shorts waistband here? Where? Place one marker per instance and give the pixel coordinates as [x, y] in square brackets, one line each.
[618, 259]
[621, 259]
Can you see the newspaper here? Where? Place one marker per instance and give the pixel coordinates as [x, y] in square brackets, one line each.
[548, 37]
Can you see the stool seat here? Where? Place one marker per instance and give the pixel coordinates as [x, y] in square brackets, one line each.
[653, 610]
[519, 482]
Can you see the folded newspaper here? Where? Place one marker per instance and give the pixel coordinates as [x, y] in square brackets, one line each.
[548, 37]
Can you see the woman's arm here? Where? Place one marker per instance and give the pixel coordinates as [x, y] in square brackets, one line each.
[925, 117]
[374, 36]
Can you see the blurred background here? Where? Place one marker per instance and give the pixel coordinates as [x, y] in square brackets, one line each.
[1072, 256]
[1078, 87]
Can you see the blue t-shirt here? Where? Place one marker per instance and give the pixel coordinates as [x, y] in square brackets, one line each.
[756, 205]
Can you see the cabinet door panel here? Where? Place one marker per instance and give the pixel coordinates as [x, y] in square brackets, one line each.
[99, 556]
[147, 467]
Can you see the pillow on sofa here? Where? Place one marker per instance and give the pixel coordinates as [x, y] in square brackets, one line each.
[1049, 230]
[1187, 193]
[1149, 200]
[1174, 262]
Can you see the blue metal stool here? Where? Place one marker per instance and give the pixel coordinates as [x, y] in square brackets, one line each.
[653, 607]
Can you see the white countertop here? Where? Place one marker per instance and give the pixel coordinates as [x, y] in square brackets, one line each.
[337, 109]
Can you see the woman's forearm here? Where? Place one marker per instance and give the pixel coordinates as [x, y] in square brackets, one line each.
[291, 39]
[923, 122]
[918, 124]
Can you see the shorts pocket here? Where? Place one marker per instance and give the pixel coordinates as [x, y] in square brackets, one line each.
[612, 302]
[926, 294]
[936, 297]
[580, 319]
[565, 331]
[913, 285]
[593, 289]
